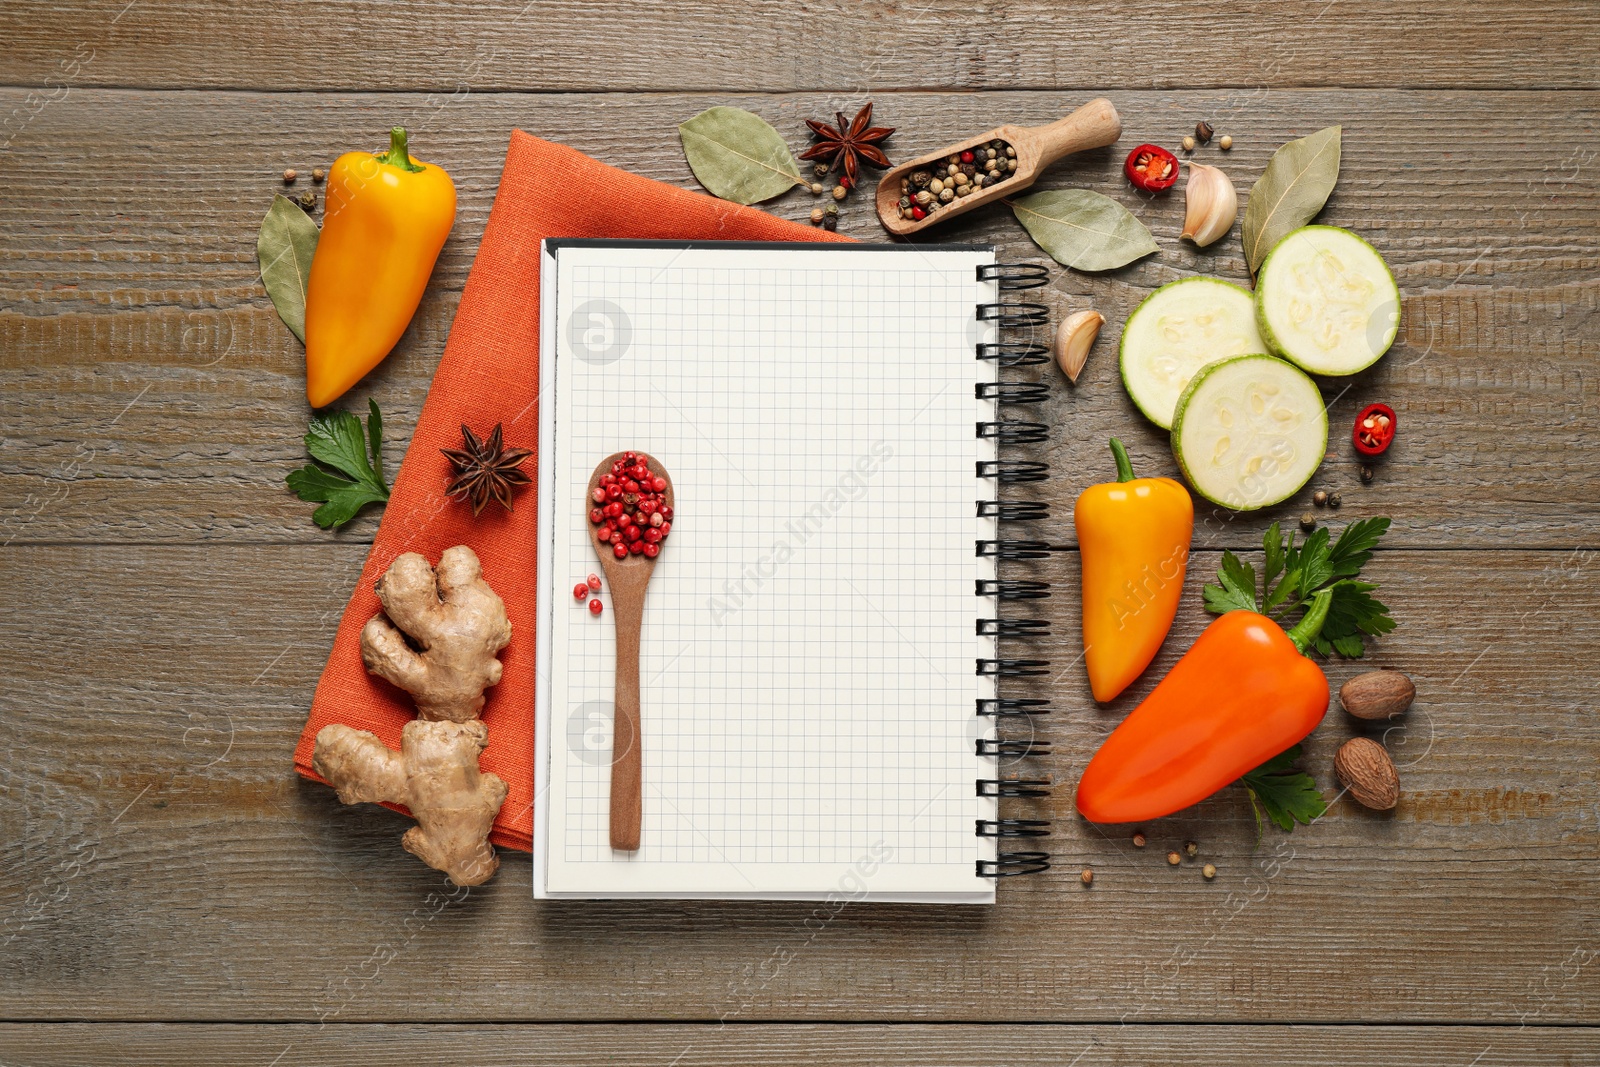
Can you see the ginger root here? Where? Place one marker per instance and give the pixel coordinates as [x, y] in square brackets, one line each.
[436, 639]
[435, 774]
[456, 623]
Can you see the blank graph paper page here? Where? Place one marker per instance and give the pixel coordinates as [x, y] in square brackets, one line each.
[807, 666]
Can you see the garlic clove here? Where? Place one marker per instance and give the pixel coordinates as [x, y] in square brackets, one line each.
[1073, 339]
[1210, 204]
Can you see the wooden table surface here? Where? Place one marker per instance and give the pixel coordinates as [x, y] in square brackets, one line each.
[171, 893]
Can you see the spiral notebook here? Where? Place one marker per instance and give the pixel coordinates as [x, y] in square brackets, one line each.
[819, 666]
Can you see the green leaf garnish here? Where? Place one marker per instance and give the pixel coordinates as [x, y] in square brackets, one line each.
[336, 440]
[1285, 793]
[1238, 591]
[1293, 574]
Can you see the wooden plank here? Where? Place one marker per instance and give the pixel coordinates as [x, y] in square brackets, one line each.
[781, 1045]
[159, 860]
[150, 394]
[707, 45]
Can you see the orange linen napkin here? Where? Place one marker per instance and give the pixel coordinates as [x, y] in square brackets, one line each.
[490, 374]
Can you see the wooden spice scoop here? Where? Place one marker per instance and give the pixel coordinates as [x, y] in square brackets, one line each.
[1093, 125]
[627, 579]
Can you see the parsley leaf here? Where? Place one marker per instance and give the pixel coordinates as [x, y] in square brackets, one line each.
[1355, 545]
[335, 440]
[1292, 575]
[1286, 794]
[1238, 589]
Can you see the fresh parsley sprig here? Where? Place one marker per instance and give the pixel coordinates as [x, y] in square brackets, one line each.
[1292, 575]
[336, 439]
[1285, 793]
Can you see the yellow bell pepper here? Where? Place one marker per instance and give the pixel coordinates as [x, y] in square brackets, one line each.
[387, 217]
[1133, 545]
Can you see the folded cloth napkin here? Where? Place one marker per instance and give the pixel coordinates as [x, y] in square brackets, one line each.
[490, 374]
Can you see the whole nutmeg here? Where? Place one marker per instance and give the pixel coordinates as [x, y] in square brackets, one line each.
[1367, 771]
[1377, 694]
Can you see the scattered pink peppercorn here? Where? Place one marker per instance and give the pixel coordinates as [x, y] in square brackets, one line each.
[595, 607]
[593, 582]
[580, 591]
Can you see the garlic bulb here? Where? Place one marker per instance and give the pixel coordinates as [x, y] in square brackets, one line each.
[1210, 204]
[1076, 333]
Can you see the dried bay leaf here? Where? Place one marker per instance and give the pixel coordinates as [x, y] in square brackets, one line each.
[1083, 230]
[284, 247]
[1295, 185]
[737, 156]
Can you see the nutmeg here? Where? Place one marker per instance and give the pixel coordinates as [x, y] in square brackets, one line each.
[1366, 770]
[1377, 694]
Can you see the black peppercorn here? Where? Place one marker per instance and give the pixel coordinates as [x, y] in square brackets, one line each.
[1203, 132]
[1334, 500]
[1319, 498]
[1308, 521]
[1366, 475]
[307, 202]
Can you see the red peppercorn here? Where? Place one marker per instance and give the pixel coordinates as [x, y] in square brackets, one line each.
[606, 532]
[1374, 429]
[595, 607]
[619, 550]
[652, 535]
[666, 528]
[614, 493]
[659, 484]
[630, 486]
[652, 551]
[599, 495]
[613, 509]
[666, 513]
[1151, 168]
[656, 519]
[636, 548]
[593, 582]
[597, 516]
[580, 590]
[631, 532]
[967, 156]
[918, 213]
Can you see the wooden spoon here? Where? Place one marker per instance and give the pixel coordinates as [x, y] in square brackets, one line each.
[1093, 125]
[627, 579]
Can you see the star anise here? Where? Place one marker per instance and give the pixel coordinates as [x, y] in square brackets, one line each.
[851, 143]
[486, 469]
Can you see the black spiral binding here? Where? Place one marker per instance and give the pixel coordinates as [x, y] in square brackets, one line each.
[1012, 315]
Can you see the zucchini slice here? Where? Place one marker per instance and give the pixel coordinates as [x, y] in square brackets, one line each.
[1326, 300]
[1178, 329]
[1250, 431]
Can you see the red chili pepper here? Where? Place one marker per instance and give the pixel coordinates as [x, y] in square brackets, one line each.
[1151, 168]
[1374, 429]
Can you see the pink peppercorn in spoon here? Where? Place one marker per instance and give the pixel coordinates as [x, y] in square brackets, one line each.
[630, 515]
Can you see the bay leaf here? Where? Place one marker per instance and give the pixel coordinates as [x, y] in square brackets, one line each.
[284, 248]
[1083, 230]
[1295, 185]
[737, 156]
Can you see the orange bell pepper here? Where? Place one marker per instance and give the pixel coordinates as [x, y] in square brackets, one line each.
[1133, 545]
[1244, 693]
[387, 217]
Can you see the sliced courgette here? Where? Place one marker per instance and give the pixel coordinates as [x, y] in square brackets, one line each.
[1326, 300]
[1249, 431]
[1178, 329]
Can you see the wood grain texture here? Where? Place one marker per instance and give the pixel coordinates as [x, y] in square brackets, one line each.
[779, 1045]
[724, 46]
[160, 861]
[148, 391]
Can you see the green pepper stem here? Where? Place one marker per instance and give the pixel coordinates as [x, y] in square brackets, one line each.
[399, 154]
[1124, 467]
[1310, 625]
